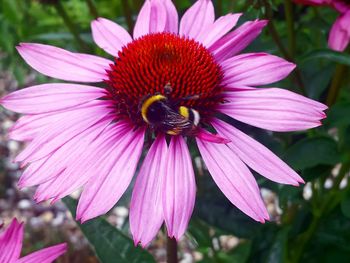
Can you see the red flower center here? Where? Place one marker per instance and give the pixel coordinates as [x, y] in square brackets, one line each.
[149, 64]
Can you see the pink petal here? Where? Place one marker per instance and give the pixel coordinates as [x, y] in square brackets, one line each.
[179, 188]
[46, 255]
[273, 109]
[104, 190]
[218, 29]
[339, 36]
[254, 69]
[237, 40]
[87, 159]
[210, 137]
[172, 24]
[28, 126]
[70, 154]
[109, 36]
[50, 97]
[257, 156]
[197, 19]
[146, 214]
[234, 179]
[11, 242]
[151, 19]
[312, 2]
[71, 124]
[62, 64]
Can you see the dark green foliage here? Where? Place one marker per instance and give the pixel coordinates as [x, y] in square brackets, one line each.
[110, 244]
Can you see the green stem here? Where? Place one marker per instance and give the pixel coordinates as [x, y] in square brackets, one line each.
[128, 15]
[219, 8]
[172, 250]
[70, 25]
[92, 8]
[288, 7]
[275, 36]
[336, 84]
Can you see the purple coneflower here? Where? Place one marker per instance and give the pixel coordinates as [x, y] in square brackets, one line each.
[168, 82]
[11, 246]
[339, 36]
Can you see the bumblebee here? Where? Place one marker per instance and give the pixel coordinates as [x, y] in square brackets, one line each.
[165, 116]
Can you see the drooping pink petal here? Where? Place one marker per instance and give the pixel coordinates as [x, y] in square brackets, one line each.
[71, 124]
[339, 5]
[109, 36]
[69, 154]
[257, 156]
[210, 137]
[11, 242]
[197, 19]
[234, 179]
[339, 36]
[312, 2]
[151, 19]
[87, 159]
[273, 109]
[46, 255]
[146, 213]
[218, 29]
[179, 188]
[255, 69]
[62, 64]
[105, 189]
[237, 40]
[50, 97]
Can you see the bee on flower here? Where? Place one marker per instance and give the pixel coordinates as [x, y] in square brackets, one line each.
[171, 80]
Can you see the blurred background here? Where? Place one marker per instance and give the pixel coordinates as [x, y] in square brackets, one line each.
[310, 223]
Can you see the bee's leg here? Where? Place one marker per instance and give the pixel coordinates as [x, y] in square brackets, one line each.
[168, 89]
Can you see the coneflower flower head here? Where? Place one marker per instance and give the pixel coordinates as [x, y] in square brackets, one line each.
[339, 36]
[169, 81]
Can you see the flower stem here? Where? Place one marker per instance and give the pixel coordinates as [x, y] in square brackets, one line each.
[336, 84]
[92, 8]
[288, 7]
[275, 36]
[219, 8]
[172, 250]
[128, 15]
[70, 25]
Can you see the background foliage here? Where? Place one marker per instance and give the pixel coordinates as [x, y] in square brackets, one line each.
[310, 223]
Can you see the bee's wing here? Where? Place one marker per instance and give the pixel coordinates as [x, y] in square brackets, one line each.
[176, 122]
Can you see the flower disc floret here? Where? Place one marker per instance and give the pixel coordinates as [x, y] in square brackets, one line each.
[145, 66]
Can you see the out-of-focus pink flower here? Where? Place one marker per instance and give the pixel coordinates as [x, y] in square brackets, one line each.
[339, 36]
[92, 137]
[11, 246]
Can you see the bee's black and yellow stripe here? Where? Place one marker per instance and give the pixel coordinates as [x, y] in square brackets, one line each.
[148, 103]
[157, 112]
[190, 114]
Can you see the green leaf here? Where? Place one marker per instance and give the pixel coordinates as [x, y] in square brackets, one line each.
[345, 206]
[338, 115]
[110, 244]
[239, 254]
[310, 152]
[278, 250]
[200, 231]
[328, 54]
